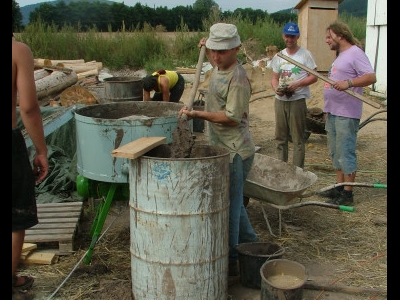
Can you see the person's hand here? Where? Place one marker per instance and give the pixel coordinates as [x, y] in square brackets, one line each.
[341, 85]
[202, 42]
[40, 167]
[188, 113]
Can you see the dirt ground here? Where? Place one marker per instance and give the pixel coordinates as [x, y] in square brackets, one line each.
[345, 252]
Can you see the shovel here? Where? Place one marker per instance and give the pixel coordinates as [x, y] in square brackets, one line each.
[196, 80]
[182, 136]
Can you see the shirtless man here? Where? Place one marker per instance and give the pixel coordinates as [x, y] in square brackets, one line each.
[24, 177]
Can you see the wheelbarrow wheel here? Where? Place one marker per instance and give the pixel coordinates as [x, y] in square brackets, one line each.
[246, 201]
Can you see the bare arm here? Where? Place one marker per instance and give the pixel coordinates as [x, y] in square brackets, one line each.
[275, 83]
[146, 95]
[24, 81]
[215, 117]
[164, 83]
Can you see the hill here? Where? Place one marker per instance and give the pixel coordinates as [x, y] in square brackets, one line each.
[357, 8]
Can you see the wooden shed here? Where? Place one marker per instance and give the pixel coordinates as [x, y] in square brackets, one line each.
[313, 18]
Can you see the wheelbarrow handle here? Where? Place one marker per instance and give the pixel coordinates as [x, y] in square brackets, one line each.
[346, 208]
[317, 203]
[380, 186]
[359, 184]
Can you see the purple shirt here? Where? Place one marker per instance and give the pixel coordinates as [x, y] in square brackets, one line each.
[351, 63]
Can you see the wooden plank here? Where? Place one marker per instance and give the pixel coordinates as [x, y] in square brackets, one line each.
[138, 147]
[326, 79]
[61, 209]
[41, 258]
[50, 215]
[25, 254]
[28, 246]
[59, 204]
[52, 231]
[51, 225]
[58, 222]
[47, 238]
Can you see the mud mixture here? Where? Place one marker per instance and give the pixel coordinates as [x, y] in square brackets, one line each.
[182, 140]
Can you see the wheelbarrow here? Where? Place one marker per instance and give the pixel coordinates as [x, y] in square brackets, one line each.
[282, 186]
[316, 124]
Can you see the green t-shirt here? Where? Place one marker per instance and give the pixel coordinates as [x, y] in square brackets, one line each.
[230, 91]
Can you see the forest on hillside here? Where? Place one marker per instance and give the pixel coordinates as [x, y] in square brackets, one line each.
[111, 16]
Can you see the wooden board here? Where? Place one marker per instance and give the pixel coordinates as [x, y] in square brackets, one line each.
[40, 258]
[138, 147]
[28, 247]
[57, 223]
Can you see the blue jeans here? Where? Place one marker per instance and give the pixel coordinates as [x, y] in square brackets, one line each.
[342, 142]
[240, 229]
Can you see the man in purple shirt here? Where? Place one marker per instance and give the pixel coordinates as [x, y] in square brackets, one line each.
[351, 69]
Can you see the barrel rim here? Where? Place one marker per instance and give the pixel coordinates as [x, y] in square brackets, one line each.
[122, 79]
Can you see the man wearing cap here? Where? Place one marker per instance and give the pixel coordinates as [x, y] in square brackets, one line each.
[291, 86]
[227, 114]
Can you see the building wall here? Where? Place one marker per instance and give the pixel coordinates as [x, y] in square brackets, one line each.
[313, 18]
[376, 44]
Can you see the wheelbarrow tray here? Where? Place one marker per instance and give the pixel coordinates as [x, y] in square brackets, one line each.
[274, 181]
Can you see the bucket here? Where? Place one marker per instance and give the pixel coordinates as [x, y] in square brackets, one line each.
[251, 258]
[118, 89]
[179, 216]
[282, 279]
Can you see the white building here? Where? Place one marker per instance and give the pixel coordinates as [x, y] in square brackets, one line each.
[376, 44]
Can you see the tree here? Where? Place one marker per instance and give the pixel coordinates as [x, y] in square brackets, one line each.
[16, 17]
[204, 4]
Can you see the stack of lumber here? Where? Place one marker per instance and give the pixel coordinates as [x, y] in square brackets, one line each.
[54, 76]
[79, 66]
[30, 255]
[183, 70]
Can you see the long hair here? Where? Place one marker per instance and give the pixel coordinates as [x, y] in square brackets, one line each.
[343, 30]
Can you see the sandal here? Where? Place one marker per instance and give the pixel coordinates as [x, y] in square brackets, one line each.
[28, 281]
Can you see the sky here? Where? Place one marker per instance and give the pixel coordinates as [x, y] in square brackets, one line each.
[270, 6]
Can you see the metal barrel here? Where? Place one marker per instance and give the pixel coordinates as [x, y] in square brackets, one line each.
[105, 127]
[179, 214]
[118, 89]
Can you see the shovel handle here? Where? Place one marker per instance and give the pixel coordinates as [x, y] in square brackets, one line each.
[193, 92]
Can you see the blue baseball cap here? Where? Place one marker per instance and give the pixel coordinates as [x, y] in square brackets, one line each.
[291, 29]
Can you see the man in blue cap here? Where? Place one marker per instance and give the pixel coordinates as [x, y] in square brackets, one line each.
[291, 86]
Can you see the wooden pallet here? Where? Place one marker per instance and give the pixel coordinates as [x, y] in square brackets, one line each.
[57, 223]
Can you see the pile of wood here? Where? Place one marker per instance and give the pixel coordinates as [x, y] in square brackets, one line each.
[54, 76]
[30, 255]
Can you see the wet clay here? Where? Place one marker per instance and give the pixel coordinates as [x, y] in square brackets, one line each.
[182, 140]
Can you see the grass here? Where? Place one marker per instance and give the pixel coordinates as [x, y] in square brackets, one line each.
[148, 49]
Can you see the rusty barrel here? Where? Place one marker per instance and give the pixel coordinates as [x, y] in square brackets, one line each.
[128, 88]
[179, 215]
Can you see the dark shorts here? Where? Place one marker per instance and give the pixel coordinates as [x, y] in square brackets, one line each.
[175, 93]
[24, 210]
